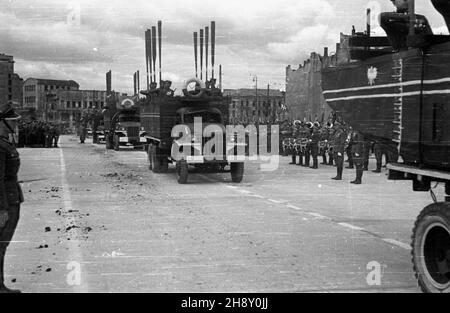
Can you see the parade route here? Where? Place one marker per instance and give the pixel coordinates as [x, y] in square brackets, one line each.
[130, 230]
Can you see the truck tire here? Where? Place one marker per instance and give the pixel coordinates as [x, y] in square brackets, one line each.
[431, 248]
[237, 172]
[182, 172]
[116, 143]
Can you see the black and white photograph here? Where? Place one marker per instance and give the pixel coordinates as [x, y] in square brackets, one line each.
[224, 151]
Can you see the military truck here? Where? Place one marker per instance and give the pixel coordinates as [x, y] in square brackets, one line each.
[396, 92]
[123, 124]
[161, 114]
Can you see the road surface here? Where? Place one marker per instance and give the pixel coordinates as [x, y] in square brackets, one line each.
[100, 221]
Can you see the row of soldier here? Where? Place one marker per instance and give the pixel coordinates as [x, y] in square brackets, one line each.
[38, 134]
[332, 141]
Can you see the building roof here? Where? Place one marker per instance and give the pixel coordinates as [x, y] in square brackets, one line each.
[55, 82]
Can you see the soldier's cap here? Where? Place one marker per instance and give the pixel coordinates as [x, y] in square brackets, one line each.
[309, 125]
[317, 124]
[7, 112]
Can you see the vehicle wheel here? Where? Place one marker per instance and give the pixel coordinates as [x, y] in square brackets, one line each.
[237, 172]
[182, 172]
[431, 248]
[116, 143]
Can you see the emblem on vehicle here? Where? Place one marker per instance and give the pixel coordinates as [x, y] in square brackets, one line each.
[372, 74]
[127, 103]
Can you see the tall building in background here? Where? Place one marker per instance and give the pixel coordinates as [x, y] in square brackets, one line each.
[60, 101]
[10, 82]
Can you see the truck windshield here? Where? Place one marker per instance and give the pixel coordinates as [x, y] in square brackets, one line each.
[207, 117]
[135, 119]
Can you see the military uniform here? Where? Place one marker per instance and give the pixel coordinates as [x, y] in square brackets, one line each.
[10, 193]
[358, 150]
[55, 136]
[295, 135]
[331, 133]
[324, 138]
[305, 135]
[314, 146]
[340, 140]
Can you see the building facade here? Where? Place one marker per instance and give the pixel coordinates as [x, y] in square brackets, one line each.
[60, 101]
[304, 94]
[10, 83]
[250, 107]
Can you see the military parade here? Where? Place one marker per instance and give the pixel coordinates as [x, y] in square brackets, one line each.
[201, 181]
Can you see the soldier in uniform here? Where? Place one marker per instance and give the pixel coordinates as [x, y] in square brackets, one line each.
[314, 145]
[324, 137]
[331, 131]
[358, 147]
[306, 134]
[339, 138]
[367, 149]
[10, 193]
[348, 150]
[295, 135]
[55, 136]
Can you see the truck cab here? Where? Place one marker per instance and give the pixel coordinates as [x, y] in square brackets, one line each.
[128, 130]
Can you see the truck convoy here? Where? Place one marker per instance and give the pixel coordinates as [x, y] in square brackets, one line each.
[187, 130]
[396, 91]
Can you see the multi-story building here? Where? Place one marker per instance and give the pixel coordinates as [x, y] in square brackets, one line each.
[67, 106]
[249, 106]
[10, 83]
[60, 100]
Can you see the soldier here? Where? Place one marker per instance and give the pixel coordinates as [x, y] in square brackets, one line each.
[55, 136]
[331, 131]
[367, 148]
[324, 138]
[358, 148]
[348, 149]
[47, 129]
[10, 192]
[339, 138]
[307, 132]
[295, 135]
[314, 144]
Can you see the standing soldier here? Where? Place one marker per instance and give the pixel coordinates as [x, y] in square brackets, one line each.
[348, 149]
[295, 135]
[330, 146]
[307, 135]
[324, 138]
[358, 148]
[339, 138]
[314, 145]
[55, 136]
[10, 192]
[367, 148]
[378, 150]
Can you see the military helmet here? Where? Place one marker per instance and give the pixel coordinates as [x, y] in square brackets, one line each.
[309, 125]
[297, 123]
[7, 112]
[317, 124]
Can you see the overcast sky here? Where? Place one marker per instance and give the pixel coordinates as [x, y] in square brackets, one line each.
[253, 37]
